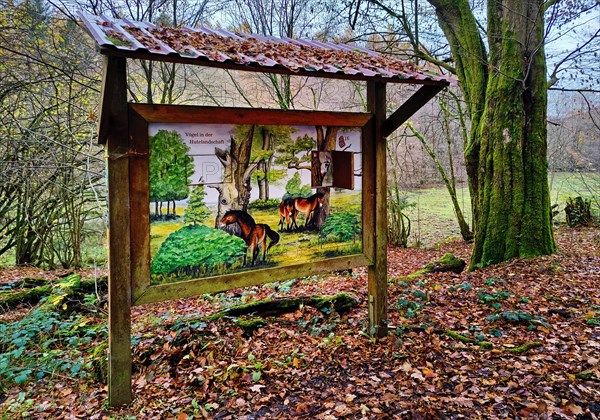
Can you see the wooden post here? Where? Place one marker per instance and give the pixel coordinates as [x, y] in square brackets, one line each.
[114, 116]
[377, 281]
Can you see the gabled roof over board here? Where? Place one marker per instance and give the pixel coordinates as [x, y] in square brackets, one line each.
[238, 51]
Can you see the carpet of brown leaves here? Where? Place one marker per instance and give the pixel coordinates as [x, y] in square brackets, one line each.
[309, 364]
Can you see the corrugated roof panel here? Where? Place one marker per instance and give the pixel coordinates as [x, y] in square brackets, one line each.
[250, 50]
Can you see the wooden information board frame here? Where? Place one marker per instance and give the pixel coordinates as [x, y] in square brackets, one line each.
[122, 128]
[141, 115]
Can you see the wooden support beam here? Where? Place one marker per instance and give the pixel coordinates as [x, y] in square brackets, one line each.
[408, 108]
[139, 200]
[377, 281]
[114, 118]
[220, 283]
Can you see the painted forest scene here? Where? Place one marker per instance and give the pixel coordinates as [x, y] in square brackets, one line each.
[226, 198]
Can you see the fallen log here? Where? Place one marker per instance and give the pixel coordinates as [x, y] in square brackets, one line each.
[256, 312]
[55, 292]
[341, 303]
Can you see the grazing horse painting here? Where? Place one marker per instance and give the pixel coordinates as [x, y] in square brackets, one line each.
[254, 234]
[287, 212]
[307, 206]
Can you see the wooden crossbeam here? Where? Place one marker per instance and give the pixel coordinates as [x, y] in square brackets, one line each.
[408, 108]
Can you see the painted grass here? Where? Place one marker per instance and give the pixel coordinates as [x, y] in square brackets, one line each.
[303, 246]
[293, 247]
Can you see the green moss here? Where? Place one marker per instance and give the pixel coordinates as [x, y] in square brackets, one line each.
[525, 347]
[468, 340]
[460, 337]
[448, 262]
[250, 324]
[118, 42]
[99, 357]
[587, 375]
[340, 302]
[485, 345]
[31, 297]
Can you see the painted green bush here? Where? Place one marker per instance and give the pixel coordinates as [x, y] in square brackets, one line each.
[197, 250]
[272, 203]
[341, 227]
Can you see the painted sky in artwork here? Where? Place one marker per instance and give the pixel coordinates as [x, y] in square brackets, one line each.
[202, 140]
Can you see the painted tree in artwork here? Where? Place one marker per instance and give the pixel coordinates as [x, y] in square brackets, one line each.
[170, 170]
[234, 191]
[263, 152]
[296, 154]
[250, 155]
[196, 211]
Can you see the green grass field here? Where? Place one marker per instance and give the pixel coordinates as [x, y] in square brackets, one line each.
[432, 219]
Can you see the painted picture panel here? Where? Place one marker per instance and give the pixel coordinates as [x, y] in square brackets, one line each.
[226, 198]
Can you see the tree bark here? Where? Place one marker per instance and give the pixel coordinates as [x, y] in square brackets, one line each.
[506, 154]
[325, 141]
[234, 191]
[265, 165]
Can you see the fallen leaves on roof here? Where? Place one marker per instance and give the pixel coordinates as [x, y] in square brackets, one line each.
[251, 50]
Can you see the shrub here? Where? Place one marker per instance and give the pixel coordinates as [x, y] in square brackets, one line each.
[578, 211]
[341, 227]
[398, 220]
[259, 204]
[294, 188]
[44, 343]
[198, 249]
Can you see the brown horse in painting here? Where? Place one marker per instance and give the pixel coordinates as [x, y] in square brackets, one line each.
[287, 212]
[307, 206]
[254, 234]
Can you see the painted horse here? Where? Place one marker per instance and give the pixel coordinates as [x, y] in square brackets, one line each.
[254, 234]
[287, 212]
[307, 206]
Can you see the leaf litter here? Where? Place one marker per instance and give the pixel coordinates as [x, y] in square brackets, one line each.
[319, 364]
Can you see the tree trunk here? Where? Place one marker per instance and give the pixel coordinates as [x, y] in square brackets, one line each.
[265, 165]
[325, 141]
[514, 216]
[506, 155]
[234, 192]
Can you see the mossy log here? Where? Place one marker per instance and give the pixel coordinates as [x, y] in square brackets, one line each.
[448, 263]
[468, 340]
[55, 291]
[25, 283]
[341, 303]
[31, 296]
[256, 311]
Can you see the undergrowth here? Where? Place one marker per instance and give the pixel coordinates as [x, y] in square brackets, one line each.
[46, 343]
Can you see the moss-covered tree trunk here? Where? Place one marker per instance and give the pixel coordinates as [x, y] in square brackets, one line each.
[506, 155]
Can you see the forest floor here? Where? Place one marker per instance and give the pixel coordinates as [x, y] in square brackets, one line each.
[519, 339]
